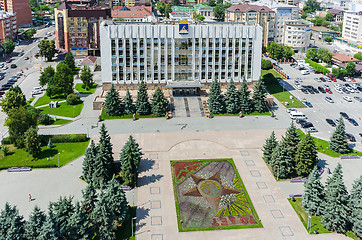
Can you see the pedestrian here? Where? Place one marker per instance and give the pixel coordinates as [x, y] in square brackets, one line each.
[30, 199]
[329, 171]
[134, 117]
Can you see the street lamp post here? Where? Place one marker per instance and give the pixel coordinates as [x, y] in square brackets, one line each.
[132, 224]
[73, 111]
[277, 171]
[58, 158]
[309, 225]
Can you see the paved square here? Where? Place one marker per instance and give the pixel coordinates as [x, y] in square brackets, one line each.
[244, 152]
[249, 162]
[156, 236]
[156, 166]
[255, 173]
[262, 185]
[156, 220]
[286, 231]
[277, 214]
[155, 190]
[269, 198]
[153, 156]
[156, 204]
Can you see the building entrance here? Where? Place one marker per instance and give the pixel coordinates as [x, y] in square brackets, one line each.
[185, 88]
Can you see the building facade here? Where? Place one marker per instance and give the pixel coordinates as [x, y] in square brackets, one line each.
[8, 26]
[172, 53]
[77, 28]
[254, 14]
[352, 27]
[21, 8]
[296, 34]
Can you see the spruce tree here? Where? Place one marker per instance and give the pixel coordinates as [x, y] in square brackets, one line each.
[306, 156]
[129, 107]
[339, 141]
[355, 205]
[33, 225]
[130, 158]
[357, 219]
[356, 193]
[313, 197]
[80, 225]
[89, 198]
[269, 146]
[50, 228]
[216, 102]
[336, 212]
[103, 219]
[89, 162]
[232, 99]
[159, 103]
[282, 160]
[11, 223]
[246, 105]
[143, 106]
[259, 98]
[103, 166]
[62, 210]
[292, 139]
[116, 201]
[113, 105]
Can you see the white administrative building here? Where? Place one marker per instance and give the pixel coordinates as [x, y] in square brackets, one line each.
[179, 53]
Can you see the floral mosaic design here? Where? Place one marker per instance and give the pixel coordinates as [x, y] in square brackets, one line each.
[210, 195]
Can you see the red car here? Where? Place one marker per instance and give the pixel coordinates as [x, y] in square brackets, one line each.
[352, 79]
[328, 91]
[334, 79]
[8, 61]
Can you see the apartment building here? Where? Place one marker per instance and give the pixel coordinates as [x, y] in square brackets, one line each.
[8, 26]
[352, 26]
[179, 54]
[254, 14]
[20, 8]
[296, 34]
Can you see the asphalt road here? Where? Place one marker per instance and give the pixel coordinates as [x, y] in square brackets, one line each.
[323, 109]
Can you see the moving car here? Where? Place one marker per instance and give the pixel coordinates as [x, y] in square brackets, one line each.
[331, 122]
[329, 99]
[348, 99]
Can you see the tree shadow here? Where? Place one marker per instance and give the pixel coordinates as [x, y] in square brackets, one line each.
[142, 213]
[145, 180]
[146, 164]
[47, 153]
[322, 163]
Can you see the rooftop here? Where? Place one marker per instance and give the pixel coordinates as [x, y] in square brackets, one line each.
[247, 7]
[322, 29]
[335, 11]
[274, 5]
[344, 58]
[132, 12]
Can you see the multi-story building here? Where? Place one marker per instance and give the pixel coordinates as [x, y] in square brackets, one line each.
[136, 13]
[132, 3]
[179, 54]
[296, 34]
[8, 26]
[254, 14]
[352, 26]
[21, 8]
[77, 27]
[337, 15]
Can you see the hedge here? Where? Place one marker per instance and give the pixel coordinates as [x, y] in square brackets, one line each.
[317, 66]
[59, 138]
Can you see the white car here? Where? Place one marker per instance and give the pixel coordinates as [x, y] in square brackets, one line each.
[329, 99]
[350, 89]
[326, 86]
[354, 86]
[337, 85]
[291, 110]
[338, 90]
[38, 89]
[35, 92]
[5, 67]
[348, 99]
[297, 86]
[311, 129]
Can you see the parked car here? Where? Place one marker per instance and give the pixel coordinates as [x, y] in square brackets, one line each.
[359, 99]
[307, 125]
[300, 120]
[8, 61]
[311, 129]
[338, 90]
[331, 122]
[321, 89]
[350, 137]
[329, 91]
[13, 66]
[5, 67]
[26, 58]
[291, 110]
[348, 99]
[351, 120]
[343, 114]
[308, 104]
[2, 77]
[305, 91]
[329, 99]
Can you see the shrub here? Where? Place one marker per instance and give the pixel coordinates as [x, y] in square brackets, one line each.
[5, 150]
[6, 141]
[64, 138]
[317, 67]
[45, 119]
[266, 64]
[73, 99]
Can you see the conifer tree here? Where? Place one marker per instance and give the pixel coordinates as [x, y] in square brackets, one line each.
[292, 139]
[50, 228]
[357, 220]
[62, 210]
[339, 141]
[355, 205]
[113, 105]
[232, 99]
[159, 103]
[116, 201]
[129, 107]
[80, 225]
[313, 197]
[89, 162]
[356, 193]
[103, 166]
[89, 198]
[306, 156]
[216, 102]
[336, 213]
[11, 223]
[130, 159]
[246, 105]
[33, 225]
[269, 146]
[282, 160]
[143, 106]
[103, 219]
[259, 98]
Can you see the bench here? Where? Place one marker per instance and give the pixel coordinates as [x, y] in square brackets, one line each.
[320, 172]
[125, 188]
[349, 157]
[19, 169]
[295, 180]
[293, 196]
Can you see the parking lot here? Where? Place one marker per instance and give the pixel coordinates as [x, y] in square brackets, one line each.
[322, 109]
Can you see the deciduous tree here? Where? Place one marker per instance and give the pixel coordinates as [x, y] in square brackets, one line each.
[32, 141]
[69, 60]
[47, 49]
[46, 76]
[13, 100]
[8, 45]
[62, 83]
[87, 78]
[350, 68]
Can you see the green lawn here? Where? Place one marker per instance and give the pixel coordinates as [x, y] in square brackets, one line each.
[303, 216]
[64, 110]
[45, 100]
[58, 122]
[80, 89]
[105, 116]
[323, 147]
[237, 114]
[279, 92]
[125, 231]
[68, 152]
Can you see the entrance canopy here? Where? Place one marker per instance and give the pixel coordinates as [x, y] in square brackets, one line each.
[185, 88]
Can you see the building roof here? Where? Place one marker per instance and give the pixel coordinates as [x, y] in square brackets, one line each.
[335, 11]
[322, 29]
[247, 7]
[275, 5]
[4, 15]
[89, 60]
[344, 58]
[64, 6]
[132, 12]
